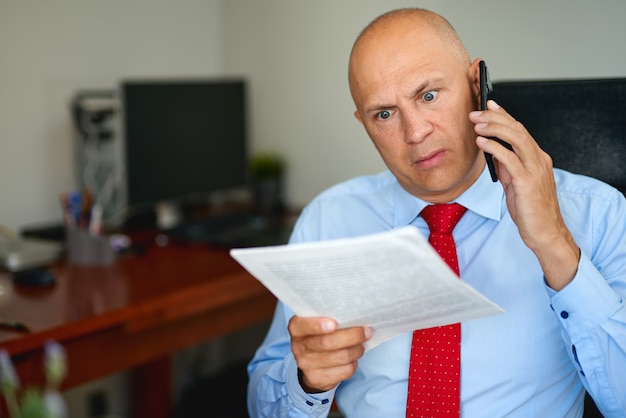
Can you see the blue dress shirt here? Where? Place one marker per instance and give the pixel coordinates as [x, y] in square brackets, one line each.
[535, 360]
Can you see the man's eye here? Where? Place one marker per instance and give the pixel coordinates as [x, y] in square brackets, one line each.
[384, 114]
[429, 96]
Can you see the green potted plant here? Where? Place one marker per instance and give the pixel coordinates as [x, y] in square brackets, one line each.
[267, 171]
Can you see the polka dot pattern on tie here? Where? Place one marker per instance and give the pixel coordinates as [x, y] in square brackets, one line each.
[434, 373]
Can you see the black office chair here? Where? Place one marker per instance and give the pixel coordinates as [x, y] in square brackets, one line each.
[580, 123]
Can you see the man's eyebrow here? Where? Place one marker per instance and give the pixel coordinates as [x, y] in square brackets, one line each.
[420, 88]
[378, 107]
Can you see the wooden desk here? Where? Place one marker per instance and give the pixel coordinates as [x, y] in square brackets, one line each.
[132, 315]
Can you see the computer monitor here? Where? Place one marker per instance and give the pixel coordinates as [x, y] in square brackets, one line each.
[183, 140]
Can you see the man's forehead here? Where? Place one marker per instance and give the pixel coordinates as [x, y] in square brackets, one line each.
[404, 71]
[392, 52]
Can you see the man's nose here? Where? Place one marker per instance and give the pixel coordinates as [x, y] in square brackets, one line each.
[416, 127]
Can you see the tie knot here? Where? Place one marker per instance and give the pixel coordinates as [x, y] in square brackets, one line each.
[442, 218]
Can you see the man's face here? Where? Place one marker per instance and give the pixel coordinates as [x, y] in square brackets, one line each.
[413, 96]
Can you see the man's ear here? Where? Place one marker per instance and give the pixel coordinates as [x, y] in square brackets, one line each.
[474, 75]
[357, 115]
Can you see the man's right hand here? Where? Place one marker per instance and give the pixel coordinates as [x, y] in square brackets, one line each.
[325, 355]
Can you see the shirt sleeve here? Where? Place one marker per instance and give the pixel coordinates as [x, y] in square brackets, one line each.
[273, 389]
[592, 314]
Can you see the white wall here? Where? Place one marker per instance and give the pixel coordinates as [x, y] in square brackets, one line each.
[295, 54]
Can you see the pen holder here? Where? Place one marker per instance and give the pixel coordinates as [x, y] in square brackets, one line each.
[84, 248]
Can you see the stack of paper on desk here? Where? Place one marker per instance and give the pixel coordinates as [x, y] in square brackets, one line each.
[393, 281]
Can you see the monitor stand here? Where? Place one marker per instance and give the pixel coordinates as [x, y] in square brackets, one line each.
[168, 215]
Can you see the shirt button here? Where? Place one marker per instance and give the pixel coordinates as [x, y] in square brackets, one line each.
[564, 314]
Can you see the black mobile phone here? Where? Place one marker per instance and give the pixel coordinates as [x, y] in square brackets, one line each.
[485, 88]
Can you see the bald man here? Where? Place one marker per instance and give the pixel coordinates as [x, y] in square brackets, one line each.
[546, 245]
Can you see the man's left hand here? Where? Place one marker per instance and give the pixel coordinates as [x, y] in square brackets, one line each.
[528, 180]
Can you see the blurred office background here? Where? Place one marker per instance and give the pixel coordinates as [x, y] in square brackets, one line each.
[293, 53]
[294, 56]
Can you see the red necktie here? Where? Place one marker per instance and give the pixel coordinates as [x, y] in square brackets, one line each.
[435, 367]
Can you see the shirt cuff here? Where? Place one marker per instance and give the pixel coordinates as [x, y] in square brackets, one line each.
[587, 300]
[315, 405]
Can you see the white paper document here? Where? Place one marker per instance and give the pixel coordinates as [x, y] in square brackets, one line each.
[393, 281]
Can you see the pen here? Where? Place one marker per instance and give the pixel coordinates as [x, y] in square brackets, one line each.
[75, 207]
[95, 222]
[14, 326]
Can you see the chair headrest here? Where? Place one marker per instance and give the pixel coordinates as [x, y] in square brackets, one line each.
[580, 123]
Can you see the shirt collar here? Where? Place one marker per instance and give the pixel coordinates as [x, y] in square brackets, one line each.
[484, 197]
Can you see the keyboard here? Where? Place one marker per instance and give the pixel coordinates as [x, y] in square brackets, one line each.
[235, 230]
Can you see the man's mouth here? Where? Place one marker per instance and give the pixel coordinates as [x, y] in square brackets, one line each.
[431, 160]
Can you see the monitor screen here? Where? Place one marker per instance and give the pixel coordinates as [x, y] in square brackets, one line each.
[184, 139]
